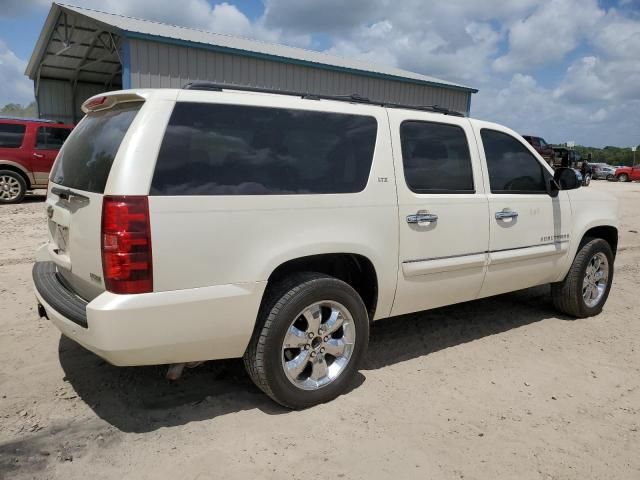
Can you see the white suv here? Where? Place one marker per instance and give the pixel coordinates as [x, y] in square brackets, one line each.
[209, 223]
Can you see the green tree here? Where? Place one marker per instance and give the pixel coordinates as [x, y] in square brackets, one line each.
[609, 154]
[17, 110]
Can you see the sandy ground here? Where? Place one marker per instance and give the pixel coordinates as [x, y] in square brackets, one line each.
[498, 388]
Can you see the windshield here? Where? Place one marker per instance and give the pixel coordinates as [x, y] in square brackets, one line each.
[85, 160]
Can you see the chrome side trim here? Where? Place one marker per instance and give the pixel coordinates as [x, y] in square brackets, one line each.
[527, 253]
[444, 257]
[529, 246]
[424, 266]
[415, 268]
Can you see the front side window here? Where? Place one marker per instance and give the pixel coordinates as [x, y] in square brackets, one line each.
[215, 149]
[512, 167]
[11, 135]
[436, 158]
[51, 138]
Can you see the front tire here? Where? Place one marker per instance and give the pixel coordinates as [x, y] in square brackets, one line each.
[610, 177]
[12, 187]
[587, 180]
[623, 177]
[585, 289]
[311, 335]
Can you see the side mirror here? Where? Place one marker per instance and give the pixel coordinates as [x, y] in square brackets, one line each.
[567, 178]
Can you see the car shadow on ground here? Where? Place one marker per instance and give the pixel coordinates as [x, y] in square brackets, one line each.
[35, 197]
[139, 399]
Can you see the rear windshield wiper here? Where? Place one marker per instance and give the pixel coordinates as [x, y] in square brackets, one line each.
[68, 194]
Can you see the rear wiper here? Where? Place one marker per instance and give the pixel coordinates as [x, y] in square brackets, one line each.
[68, 194]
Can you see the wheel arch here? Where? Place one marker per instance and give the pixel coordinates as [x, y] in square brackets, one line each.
[596, 229]
[608, 233]
[354, 269]
[19, 169]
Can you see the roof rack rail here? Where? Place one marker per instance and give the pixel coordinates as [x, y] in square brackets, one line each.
[352, 98]
[427, 108]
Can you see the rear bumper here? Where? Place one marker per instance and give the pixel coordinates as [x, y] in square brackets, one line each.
[54, 292]
[154, 328]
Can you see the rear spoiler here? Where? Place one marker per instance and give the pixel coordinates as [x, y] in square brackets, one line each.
[105, 102]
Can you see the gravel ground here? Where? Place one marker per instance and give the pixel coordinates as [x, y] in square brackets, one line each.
[503, 387]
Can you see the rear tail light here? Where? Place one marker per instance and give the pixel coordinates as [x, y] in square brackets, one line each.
[126, 244]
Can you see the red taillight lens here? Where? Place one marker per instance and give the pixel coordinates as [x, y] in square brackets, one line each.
[126, 244]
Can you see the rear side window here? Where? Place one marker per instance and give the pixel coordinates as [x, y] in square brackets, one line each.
[512, 167]
[85, 161]
[436, 158]
[213, 149]
[51, 138]
[11, 135]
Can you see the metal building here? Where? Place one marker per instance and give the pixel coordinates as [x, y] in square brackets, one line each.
[82, 52]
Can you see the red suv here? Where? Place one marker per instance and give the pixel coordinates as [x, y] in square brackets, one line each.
[28, 148]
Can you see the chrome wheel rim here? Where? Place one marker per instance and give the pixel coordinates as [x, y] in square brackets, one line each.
[596, 278]
[318, 345]
[9, 187]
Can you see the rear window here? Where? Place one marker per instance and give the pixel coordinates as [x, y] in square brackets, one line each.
[85, 161]
[51, 138]
[212, 149]
[11, 135]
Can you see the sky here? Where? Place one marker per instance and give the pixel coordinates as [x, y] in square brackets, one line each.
[566, 70]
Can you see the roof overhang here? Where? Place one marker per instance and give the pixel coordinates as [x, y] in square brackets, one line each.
[75, 48]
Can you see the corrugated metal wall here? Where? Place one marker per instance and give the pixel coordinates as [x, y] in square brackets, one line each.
[154, 64]
[55, 99]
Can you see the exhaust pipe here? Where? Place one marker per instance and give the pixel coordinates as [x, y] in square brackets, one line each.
[174, 372]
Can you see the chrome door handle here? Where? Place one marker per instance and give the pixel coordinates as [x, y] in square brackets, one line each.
[503, 214]
[37, 155]
[422, 218]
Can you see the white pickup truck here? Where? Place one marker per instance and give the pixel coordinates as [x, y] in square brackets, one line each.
[207, 223]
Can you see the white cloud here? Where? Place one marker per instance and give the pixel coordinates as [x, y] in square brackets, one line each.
[451, 40]
[16, 87]
[548, 34]
[223, 17]
[555, 113]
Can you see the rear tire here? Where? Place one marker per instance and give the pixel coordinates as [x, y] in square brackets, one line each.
[582, 294]
[623, 177]
[290, 358]
[587, 180]
[12, 187]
